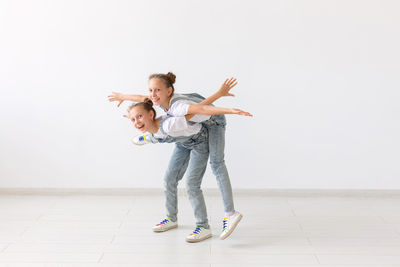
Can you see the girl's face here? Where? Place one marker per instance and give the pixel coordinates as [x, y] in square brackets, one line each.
[141, 118]
[159, 93]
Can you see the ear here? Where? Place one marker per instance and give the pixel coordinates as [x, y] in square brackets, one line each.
[154, 115]
[170, 91]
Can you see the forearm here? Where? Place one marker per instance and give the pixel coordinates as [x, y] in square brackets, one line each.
[211, 99]
[207, 110]
[134, 98]
[208, 101]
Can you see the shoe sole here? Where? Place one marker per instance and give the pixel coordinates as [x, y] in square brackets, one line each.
[232, 228]
[138, 144]
[164, 229]
[198, 240]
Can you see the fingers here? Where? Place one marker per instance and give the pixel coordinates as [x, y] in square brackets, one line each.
[115, 97]
[233, 85]
[244, 113]
[229, 81]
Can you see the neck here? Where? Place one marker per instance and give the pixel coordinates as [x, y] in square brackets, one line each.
[154, 127]
[167, 104]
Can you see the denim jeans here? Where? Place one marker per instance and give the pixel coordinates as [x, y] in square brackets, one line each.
[216, 134]
[193, 156]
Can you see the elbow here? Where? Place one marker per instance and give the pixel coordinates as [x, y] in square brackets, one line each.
[205, 110]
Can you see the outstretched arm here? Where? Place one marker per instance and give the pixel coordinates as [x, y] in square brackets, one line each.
[211, 110]
[122, 97]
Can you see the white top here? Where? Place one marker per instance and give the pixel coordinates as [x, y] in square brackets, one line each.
[177, 126]
[180, 109]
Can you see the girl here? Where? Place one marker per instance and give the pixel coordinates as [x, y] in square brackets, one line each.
[192, 142]
[161, 92]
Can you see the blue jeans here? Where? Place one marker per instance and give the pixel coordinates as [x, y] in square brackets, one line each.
[216, 134]
[191, 155]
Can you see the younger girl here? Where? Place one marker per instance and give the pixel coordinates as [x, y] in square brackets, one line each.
[192, 143]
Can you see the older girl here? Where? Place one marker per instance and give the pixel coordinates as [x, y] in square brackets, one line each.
[161, 92]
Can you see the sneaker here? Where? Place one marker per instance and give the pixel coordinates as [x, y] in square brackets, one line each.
[199, 234]
[141, 140]
[229, 224]
[165, 225]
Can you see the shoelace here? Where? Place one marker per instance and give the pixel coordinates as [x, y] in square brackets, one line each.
[197, 230]
[164, 221]
[225, 224]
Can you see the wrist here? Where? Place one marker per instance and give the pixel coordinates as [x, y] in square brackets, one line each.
[219, 94]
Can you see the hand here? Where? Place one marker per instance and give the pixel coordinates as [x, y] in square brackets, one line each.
[241, 112]
[227, 86]
[116, 97]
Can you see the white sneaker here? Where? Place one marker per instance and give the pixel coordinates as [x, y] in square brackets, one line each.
[141, 140]
[165, 225]
[199, 234]
[229, 224]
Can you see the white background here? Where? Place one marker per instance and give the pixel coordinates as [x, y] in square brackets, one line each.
[320, 77]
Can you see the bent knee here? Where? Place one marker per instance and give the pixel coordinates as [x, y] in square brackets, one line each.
[217, 163]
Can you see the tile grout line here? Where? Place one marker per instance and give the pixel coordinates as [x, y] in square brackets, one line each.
[6, 247]
[128, 212]
[112, 239]
[316, 257]
[291, 208]
[101, 257]
[383, 219]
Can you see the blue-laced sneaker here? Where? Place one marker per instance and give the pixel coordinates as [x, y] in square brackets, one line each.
[142, 139]
[229, 224]
[199, 234]
[165, 225]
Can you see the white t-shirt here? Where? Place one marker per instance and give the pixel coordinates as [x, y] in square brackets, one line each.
[180, 109]
[177, 126]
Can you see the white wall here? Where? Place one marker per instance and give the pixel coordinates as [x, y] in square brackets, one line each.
[321, 77]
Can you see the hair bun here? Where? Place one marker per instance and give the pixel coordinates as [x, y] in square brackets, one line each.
[148, 101]
[171, 77]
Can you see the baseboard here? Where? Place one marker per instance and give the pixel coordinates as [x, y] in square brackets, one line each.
[207, 192]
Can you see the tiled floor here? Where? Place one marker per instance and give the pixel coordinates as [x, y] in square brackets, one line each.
[104, 230]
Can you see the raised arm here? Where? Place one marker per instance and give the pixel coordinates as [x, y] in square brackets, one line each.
[122, 97]
[223, 91]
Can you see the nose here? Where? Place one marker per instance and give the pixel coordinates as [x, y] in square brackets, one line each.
[153, 93]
